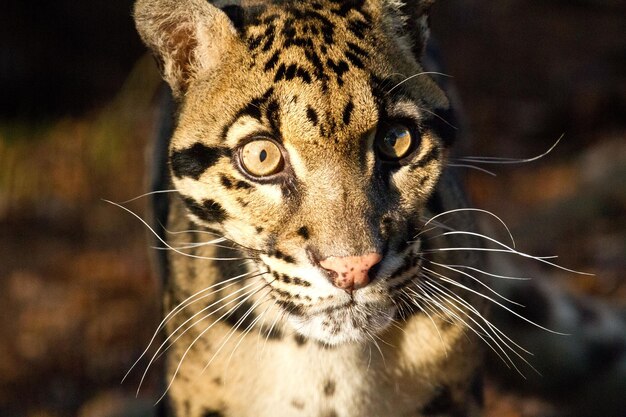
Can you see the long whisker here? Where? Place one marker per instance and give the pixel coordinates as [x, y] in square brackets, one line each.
[496, 302]
[505, 161]
[163, 348]
[188, 301]
[417, 75]
[473, 278]
[506, 249]
[445, 213]
[490, 274]
[499, 343]
[243, 334]
[147, 194]
[164, 242]
[493, 328]
[198, 337]
[483, 170]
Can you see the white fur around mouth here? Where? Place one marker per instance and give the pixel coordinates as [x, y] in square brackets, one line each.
[347, 324]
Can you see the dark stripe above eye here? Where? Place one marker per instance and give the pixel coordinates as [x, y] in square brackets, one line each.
[193, 161]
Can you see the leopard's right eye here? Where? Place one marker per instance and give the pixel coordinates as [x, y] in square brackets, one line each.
[261, 158]
[395, 142]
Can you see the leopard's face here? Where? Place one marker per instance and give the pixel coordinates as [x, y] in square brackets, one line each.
[317, 138]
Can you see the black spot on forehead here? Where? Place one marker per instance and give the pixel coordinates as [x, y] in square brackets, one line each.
[311, 114]
[347, 112]
[304, 232]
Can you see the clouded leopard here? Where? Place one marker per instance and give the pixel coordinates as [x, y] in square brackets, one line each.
[323, 260]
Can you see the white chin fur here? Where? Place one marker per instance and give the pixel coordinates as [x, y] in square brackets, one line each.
[344, 325]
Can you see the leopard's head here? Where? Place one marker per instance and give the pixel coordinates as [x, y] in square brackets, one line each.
[309, 133]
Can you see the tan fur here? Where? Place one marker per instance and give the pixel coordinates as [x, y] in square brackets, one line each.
[336, 354]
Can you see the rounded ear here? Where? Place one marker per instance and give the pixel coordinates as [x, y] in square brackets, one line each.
[418, 23]
[185, 36]
[411, 21]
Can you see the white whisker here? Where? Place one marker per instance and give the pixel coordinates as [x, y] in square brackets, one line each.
[198, 337]
[188, 301]
[147, 194]
[445, 213]
[505, 161]
[164, 242]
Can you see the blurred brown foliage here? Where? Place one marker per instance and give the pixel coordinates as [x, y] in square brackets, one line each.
[79, 300]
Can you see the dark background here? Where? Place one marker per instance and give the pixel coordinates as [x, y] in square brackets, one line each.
[78, 302]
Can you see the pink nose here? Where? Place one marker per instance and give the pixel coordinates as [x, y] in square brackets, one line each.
[351, 272]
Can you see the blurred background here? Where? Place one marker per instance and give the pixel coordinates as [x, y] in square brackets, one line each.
[78, 301]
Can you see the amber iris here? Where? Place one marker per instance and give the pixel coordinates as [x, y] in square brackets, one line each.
[395, 143]
[261, 158]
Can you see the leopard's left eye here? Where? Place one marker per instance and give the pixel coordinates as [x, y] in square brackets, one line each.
[394, 143]
[261, 158]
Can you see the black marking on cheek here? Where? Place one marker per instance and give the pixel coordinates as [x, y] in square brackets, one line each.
[284, 257]
[242, 202]
[193, 161]
[301, 282]
[209, 210]
[242, 185]
[291, 307]
[347, 112]
[304, 233]
[237, 318]
[226, 182]
[311, 114]
[271, 333]
[259, 229]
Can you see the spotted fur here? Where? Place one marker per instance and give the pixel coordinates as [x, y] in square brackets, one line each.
[323, 80]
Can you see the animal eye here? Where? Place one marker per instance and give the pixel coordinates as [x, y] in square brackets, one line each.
[261, 158]
[395, 143]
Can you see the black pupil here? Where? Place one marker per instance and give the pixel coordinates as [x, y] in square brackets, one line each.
[392, 137]
[263, 155]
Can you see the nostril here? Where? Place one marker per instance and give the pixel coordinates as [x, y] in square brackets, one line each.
[350, 272]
